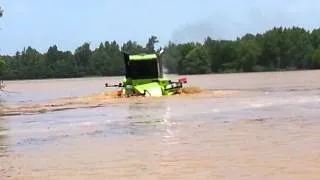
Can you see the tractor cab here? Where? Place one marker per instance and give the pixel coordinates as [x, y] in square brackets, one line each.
[144, 77]
[142, 67]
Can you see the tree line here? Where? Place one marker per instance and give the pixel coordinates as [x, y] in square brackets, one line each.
[280, 48]
[106, 60]
[277, 49]
[2, 64]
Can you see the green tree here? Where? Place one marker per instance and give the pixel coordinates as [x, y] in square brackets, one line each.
[196, 62]
[29, 64]
[248, 52]
[184, 50]
[315, 38]
[107, 60]
[132, 47]
[316, 59]
[52, 57]
[221, 54]
[151, 44]
[2, 66]
[82, 56]
[116, 64]
[99, 61]
[248, 36]
[1, 61]
[271, 49]
[65, 66]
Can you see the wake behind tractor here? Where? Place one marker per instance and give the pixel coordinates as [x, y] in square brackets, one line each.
[144, 77]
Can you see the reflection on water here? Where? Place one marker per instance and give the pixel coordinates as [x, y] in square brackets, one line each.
[149, 118]
[268, 129]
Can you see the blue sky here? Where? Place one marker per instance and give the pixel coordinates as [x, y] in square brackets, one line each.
[69, 23]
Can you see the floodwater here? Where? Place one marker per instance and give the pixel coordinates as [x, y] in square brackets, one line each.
[242, 126]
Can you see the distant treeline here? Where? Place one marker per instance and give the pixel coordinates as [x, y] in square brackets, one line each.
[277, 49]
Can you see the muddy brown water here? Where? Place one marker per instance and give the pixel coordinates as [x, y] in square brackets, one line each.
[242, 126]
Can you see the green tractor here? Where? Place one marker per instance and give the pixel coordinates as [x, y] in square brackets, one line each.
[144, 77]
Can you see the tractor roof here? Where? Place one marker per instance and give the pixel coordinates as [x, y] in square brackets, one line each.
[141, 57]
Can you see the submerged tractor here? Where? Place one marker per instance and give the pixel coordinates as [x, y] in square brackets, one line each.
[144, 77]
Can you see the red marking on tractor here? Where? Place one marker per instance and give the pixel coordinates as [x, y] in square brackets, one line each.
[183, 80]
